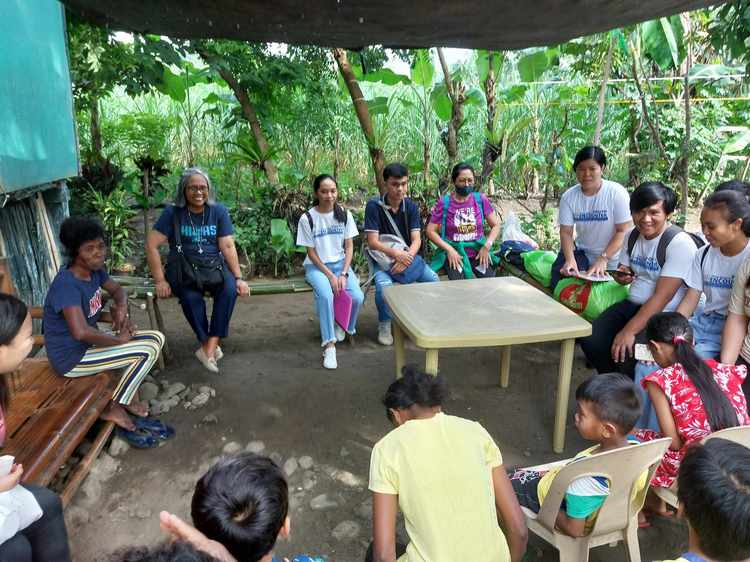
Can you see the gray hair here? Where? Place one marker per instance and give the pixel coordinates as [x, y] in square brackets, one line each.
[187, 173]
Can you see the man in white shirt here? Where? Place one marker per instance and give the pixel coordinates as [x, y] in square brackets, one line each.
[655, 266]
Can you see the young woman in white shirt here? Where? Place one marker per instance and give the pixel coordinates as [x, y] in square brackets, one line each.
[327, 231]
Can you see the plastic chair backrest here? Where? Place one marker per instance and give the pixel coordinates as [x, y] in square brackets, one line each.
[739, 435]
[623, 468]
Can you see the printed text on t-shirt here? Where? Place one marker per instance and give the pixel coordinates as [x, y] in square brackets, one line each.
[95, 304]
[649, 263]
[198, 233]
[591, 216]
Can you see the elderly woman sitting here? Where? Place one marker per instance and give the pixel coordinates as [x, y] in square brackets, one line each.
[202, 260]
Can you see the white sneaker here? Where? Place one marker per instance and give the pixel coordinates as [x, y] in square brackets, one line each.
[218, 354]
[208, 362]
[384, 333]
[340, 334]
[329, 357]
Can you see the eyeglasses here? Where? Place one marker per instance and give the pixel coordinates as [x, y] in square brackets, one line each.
[464, 181]
[197, 188]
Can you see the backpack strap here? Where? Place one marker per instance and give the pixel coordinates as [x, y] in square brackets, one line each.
[666, 238]
[310, 221]
[703, 256]
[446, 203]
[632, 238]
[478, 200]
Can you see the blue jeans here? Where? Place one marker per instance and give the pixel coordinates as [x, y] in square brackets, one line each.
[193, 306]
[383, 280]
[707, 328]
[324, 298]
[648, 419]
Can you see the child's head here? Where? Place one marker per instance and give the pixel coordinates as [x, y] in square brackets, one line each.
[739, 186]
[414, 390]
[177, 551]
[725, 216]
[242, 502]
[714, 494]
[670, 339]
[608, 407]
[83, 240]
[16, 340]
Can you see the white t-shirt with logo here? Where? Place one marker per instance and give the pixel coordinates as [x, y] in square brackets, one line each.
[715, 278]
[595, 216]
[679, 259]
[328, 235]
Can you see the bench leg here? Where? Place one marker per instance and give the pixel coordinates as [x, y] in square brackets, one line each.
[80, 472]
[504, 366]
[160, 324]
[157, 323]
[563, 391]
[431, 362]
[399, 348]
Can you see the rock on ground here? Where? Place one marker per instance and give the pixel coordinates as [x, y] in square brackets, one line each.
[346, 530]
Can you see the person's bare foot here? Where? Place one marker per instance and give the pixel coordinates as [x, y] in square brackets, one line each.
[139, 409]
[117, 414]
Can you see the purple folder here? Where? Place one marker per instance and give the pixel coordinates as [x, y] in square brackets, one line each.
[342, 309]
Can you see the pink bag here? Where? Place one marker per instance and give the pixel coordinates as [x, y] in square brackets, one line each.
[342, 309]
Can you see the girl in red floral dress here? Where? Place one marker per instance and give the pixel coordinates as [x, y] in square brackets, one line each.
[692, 397]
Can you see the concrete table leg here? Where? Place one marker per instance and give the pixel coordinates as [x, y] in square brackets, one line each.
[431, 362]
[398, 346]
[504, 366]
[563, 391]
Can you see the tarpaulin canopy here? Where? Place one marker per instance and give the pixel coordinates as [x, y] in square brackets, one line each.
[475, 24]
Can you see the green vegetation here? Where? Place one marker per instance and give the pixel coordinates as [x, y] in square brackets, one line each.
[667, 99]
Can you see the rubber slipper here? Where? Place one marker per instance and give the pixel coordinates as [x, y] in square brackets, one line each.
[644, 524]
[140, 439]
[155, 427]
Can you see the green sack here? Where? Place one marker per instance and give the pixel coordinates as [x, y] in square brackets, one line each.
[589, 299]
[538, 264]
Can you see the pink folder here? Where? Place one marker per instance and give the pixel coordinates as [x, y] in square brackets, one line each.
[342, 309]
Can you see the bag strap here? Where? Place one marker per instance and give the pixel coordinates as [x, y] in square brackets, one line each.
[392, 222]
[632, 238]
[703, 257]
[446, 204]
[310, 221]
[666, 238]
[478, 200]
[176, 228]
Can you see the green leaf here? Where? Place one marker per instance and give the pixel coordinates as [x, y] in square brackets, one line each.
[378, 106]
[474, 97]
[663, 42]
[713, 72]
[172, 85]
[483, 63]
[737, 143]
[441, 102]
[671, 41]
[385, 76]
[531, 67]
[422, 70]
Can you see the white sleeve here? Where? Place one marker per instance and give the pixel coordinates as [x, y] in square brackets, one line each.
[304, 234]
[566, 211]
[694, 278]
[621, 205]
[679, 258]
[351, 227]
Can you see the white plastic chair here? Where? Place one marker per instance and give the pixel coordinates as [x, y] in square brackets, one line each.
[739, 435]
[618, 517]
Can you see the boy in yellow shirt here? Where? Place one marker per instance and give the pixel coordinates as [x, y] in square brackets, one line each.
[714, 493]
[608, 407]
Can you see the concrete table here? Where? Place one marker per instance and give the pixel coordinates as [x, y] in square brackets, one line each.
[497, 312]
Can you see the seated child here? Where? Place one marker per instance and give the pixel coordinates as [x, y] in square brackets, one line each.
[608, 406]
[714, 495]
[692, 397]
[239, 509]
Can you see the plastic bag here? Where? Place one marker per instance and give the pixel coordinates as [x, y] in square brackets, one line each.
[512, 230]
[589, 299]
[538, 264]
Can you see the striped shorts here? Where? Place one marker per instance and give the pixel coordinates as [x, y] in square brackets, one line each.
[136, 356]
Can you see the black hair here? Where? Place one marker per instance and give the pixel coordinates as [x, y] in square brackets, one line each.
[76, 231]
[614, 399]
[395, 170]
[714, 491]
[460, 167]
[665, 327]
[734, 185]
[650, 193]
[242, 502]
[339, 213]
[13, 312]
[414, 387]
[595, 153]
[734, 206]
[178, 551]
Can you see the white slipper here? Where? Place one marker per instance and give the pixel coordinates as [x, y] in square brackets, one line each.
[208, 362]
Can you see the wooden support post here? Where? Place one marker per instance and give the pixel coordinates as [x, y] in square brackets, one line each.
[504, 366]
[431, 362]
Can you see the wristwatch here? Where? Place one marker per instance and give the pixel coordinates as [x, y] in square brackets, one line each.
[604, 255]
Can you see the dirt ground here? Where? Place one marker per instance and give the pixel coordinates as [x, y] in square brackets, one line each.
[273, 390]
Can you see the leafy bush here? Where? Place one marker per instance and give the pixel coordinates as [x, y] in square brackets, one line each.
[114, 212]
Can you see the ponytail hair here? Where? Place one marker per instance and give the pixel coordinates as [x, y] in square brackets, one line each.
[339, 213]
[734, 206]
[673, 328]
[415, 387]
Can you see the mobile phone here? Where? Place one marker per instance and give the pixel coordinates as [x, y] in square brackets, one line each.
[6, 463]
[620, 273]
[643, 353]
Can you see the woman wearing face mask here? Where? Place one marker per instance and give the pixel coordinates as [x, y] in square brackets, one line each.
[457, 227]
[596, 213]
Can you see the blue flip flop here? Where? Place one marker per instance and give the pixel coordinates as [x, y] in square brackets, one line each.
[140, 438]
[155, 427]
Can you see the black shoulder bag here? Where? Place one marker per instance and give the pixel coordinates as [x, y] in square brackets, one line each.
[200, 272]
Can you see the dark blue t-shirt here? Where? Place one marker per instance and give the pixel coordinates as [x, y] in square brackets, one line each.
[197, 231]
[406, 218]
[67, 290]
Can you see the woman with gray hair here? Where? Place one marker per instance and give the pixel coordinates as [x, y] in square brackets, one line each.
[202, 259]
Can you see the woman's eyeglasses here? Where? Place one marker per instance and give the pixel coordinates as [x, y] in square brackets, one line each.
[197, 188]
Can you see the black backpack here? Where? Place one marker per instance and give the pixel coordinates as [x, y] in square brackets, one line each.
[661, 250]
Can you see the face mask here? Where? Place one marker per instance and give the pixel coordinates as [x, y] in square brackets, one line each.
[464, 190]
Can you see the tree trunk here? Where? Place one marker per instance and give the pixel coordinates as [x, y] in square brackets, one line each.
[685, 149]
[456, 94]
[426, 161]
[490, 152]
[336, 154]
[95, 131]
[146, 207]
[363, 115]
[603, 92]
